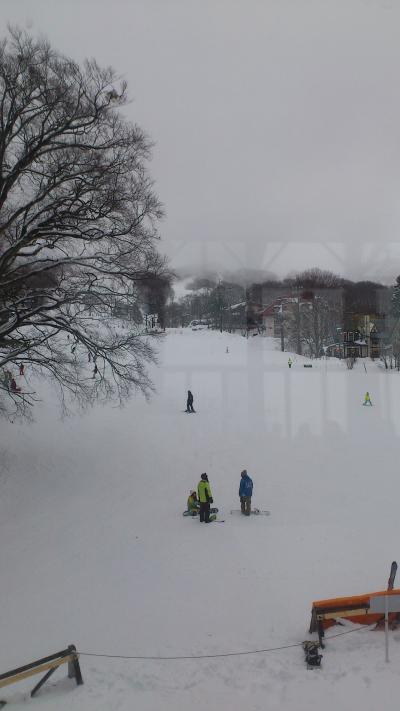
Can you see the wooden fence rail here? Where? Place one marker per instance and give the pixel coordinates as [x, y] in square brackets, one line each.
[46, 664]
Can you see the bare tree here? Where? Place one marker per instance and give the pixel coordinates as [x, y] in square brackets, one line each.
[314, 311]
[320, 322]
[78, 223]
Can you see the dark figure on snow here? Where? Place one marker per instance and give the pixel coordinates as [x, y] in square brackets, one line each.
[245, 493]
[21, 368]
[205, 498]
[95, 370]
[189, 402]
[13, 386]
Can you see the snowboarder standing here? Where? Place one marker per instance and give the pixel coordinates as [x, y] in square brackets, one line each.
[205, 498]
[245, 492]
[367, 399]
[189, 402]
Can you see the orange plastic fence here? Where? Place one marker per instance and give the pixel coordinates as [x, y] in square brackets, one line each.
[354, 608]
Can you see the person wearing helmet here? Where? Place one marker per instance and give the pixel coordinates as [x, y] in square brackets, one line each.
[245, 492]
[205, 498]
[193, 504]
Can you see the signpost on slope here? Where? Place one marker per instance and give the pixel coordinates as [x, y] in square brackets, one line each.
[385, 604]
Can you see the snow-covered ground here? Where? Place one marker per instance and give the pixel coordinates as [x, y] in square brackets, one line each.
[95, 551]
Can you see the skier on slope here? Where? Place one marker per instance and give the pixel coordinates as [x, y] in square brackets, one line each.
[205, 498]
[290, 362]
[189, 402]
[245, 492]
[367, 399]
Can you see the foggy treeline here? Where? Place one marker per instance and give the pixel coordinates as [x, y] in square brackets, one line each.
[312, 313]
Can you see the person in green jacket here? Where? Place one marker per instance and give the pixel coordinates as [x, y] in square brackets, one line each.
[205, 498]
[367, 399]
[193, 504]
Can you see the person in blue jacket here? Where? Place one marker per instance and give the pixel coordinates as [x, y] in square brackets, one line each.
[245, 493]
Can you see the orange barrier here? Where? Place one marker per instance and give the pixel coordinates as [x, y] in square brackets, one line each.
[355, 608]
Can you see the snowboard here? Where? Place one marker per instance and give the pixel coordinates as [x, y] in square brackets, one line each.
[254, 512]
[393, 571]
[214, 519]
[193, 515]
[190, 412]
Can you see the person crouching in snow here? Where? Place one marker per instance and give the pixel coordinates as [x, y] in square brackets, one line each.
[205, 498]
[367, 399]
[245, 492]
[13, 386]
[193, 504]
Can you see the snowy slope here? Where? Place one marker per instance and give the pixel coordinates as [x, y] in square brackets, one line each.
[95, 551]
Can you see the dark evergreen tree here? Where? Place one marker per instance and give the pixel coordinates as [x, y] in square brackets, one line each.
[395, 305]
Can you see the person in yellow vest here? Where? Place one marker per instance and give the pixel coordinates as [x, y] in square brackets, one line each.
[367, 399]
[290, 362]
[205, 498]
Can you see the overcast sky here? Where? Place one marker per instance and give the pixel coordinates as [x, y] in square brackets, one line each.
[276, 122]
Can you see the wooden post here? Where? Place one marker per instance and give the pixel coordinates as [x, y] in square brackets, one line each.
[42, 681]
[46, 664]
[74, 670]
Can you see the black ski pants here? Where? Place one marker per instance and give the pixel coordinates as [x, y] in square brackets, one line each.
[204, 511]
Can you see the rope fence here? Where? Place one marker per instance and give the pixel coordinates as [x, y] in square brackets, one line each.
[217, 656]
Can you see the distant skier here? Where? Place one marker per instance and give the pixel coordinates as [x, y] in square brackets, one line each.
[21, 369]
[290, 362]
[13, 386]
[205, 498]
[367, 399]
[245, 493]
[95, 370]
[189, 402]
[193, 504]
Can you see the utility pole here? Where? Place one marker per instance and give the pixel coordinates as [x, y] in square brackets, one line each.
[220, 304]
[298, 322]
[282, 333]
